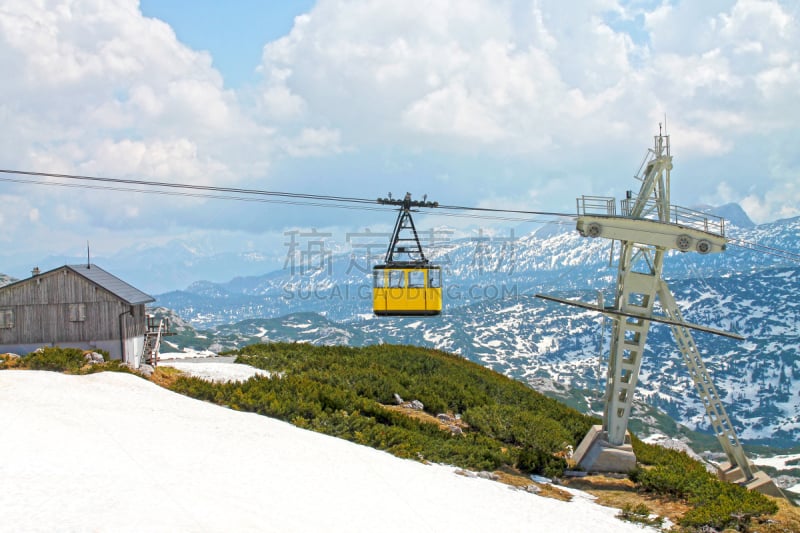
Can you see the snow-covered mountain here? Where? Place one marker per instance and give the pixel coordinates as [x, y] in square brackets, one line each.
[492, 316]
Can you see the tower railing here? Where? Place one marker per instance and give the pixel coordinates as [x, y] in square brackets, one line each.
[597, 205]
[682, 216]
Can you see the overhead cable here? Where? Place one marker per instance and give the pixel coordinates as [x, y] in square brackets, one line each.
[315, 200]
[260, 192]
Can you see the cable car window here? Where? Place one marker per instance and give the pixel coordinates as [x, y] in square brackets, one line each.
[378, 279]
[435, 278]
[416, 279]
[397, 279]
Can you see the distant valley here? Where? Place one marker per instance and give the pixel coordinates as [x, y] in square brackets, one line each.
[492, 317]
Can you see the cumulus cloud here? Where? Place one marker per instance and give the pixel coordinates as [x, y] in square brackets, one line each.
[96, 72]
[573, 67]
[541, 79]
[313, 142]
[452, 71]
[170, 160]
[772, 205]
[559, 98]
[93, 87]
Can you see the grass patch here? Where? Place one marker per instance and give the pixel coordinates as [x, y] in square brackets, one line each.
[9, 361]
[640, 514]
[620, 493]
[165, 376]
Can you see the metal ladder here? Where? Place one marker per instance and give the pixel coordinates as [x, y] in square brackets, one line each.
[723, 428]
[152, 344]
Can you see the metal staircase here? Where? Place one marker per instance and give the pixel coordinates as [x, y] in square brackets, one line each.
[152, 340]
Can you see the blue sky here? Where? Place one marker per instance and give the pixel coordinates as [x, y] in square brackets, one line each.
[516, 104]
[234, 32]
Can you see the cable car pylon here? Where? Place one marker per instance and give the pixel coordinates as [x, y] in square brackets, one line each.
[407, 283]
[648, 226]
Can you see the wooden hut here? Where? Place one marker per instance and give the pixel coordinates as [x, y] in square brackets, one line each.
[80, 306]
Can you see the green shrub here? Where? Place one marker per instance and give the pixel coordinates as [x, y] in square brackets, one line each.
[540, 461]
[55, 358]
[639, 514]
[342, 391]
[58, 359]
[715, 503]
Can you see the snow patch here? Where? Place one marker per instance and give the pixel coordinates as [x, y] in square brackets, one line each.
[217, 371]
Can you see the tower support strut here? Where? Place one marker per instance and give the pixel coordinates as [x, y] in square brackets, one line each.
[647, 228]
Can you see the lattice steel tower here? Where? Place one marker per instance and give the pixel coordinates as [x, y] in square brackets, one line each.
[648, 226]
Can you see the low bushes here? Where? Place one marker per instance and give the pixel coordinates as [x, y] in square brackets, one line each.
[715, 504]
[55, 358]
[58, 359]
[342, 391]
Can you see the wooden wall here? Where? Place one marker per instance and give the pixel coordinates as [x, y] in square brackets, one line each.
[41, 311]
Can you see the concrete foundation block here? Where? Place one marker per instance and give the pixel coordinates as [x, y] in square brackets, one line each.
[596, 454]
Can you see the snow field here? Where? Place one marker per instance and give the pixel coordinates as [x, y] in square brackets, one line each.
[114, 452]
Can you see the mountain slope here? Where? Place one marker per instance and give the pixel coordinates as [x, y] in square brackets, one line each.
[198, 466]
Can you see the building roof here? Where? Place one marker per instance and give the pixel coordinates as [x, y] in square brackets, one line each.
[112, 284]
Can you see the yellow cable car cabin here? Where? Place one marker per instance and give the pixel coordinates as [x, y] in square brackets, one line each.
[407, 290]
[409, 287]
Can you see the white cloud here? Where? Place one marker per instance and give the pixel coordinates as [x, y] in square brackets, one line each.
[451, 111]
[724, 193]
[764, 21]
[452, 71]
[69, 214]
[92, 70]
[278, 102]
[554, 97]
[777, 83]
[144, 99]
[92, 87]
[170, 160]
[773, 205]
[695, 140]
[313, 142]
[542, 79]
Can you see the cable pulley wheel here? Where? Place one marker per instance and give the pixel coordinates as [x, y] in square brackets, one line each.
[683, 242]
[593, 229]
